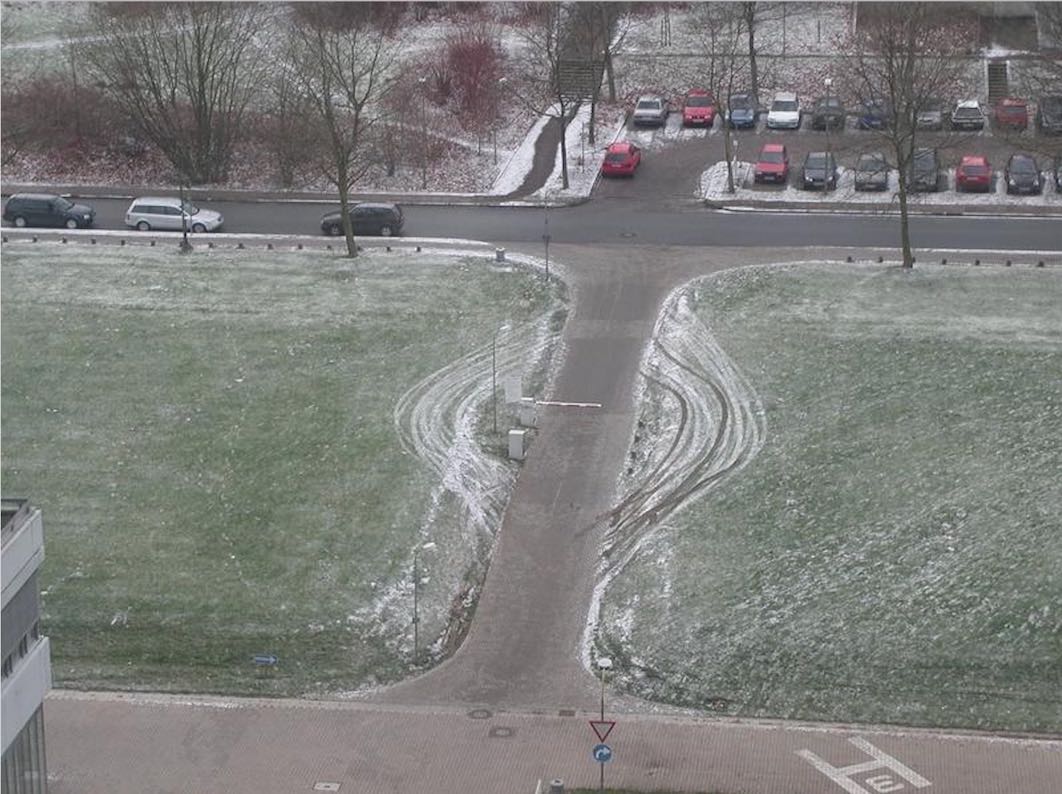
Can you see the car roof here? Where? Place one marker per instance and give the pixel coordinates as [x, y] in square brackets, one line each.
[383, 205]
[785, 96]
[650, 98]
[1022, 155]
[176, 202]
[974, 159]
[968, 103]
[620, 146]
[36, 196]
[1013, 101]
[698, 92]
[773, 147]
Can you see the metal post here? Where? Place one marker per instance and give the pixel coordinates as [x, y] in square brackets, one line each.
[829, 150]
[545, 236]
[604, 664]
[422, 81]
[494, 379]
[416, 617]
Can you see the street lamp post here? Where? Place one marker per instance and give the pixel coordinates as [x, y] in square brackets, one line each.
[829, 122]
[416, 593]
[545, 234]
[494, 374]
[422, 81]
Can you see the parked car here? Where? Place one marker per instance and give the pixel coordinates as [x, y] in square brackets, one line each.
[1058, 175]
[819, 171]
[772, 165]
[874, 114]
[1049, 114]
[650, 111]
[923, 175]
[622, 158]
[931, 115]
[872, 172]
[974, 173]
[827, 112]
[698, 108]
[1012, 113]
[742, 110]
[1023, 174]
[785, 112]
[367, 218]
[967, 115]
[46, 209]
[156, 212]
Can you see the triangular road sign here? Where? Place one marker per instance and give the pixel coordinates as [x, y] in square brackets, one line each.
[602, 728]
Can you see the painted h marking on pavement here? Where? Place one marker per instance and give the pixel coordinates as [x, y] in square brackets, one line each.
[842, 775]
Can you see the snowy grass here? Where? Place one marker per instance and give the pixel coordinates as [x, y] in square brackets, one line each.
[236, 454]
[891, 553]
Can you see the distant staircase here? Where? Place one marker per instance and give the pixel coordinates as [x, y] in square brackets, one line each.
[997, 81]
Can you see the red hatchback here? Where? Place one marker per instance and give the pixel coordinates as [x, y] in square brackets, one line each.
[698, 108]
[772, 165]
[973, 173]
[621, 159]
[1012, 113]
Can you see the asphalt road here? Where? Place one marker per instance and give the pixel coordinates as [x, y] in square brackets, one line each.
[626, 216]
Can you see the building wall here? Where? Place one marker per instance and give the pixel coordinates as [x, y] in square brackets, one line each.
[27, 669]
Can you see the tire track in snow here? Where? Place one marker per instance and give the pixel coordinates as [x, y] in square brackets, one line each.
[719, 428]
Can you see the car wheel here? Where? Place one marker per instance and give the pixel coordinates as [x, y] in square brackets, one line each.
[20, 222]
[385, 231]
[198, 228]
[143, 226]
[334, 230]
[71, 223]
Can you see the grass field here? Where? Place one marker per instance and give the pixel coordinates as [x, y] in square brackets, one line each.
[892, 552]
[223, 467]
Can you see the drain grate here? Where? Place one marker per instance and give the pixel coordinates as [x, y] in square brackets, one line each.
[566, 712]
[480, 714]
[501, 732]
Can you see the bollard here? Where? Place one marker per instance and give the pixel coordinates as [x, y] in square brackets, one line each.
[239, 245]
[418, 249]
[944, 261]
[499, 255]
[556, 786]
[152, 243]
[977, 262]
[1008, 263]
[121, 242]
[298, 247]
[1040, 263]
[388, 249]
[881, 259]
[64, 241]
[210, 245]
[848, 259]
[328, 247]
[269, 246]
[93, 241]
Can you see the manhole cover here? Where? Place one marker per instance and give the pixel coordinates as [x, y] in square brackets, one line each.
[501, 732]
[566, 712]
[480, 714]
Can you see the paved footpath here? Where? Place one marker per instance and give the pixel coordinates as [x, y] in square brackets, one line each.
[512, 706]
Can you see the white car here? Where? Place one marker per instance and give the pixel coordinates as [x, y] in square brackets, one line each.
[650, 111]
[785, 112]
[155, 212]
[968, 116]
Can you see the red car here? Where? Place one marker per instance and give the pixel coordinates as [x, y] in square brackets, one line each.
[973, 173]
[1012, 113]
[698, 108]
[621, 159]
[772, 165]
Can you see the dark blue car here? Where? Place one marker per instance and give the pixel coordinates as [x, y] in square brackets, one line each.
[873, 115]
[741, 111]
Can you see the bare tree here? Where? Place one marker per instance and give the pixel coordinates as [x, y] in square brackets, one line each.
[343, 63]
[719, 28]
[902, 55]
[545, 90]
[599, 29]
[183, 73]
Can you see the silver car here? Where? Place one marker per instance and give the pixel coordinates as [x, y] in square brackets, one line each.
[154, 212]
[650, 111]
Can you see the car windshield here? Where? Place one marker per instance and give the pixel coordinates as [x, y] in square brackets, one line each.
[740, 103]
[649, 104]
[698, 101]
[1022, 166]
[967, 112]
[828, 104]
[869, 162]
[816, 161]
[1012, 110]
[784, 106]
[923, 159]
[62, 204]
[772, 157]
[615, 157]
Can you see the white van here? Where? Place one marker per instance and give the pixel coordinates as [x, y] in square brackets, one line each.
[153, 212]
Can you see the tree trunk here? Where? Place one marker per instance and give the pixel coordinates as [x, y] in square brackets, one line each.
[611, 74]
[750, 21]
[728, 153]
[592, 138]
[564, 148]
[905, 231]
[344, 209]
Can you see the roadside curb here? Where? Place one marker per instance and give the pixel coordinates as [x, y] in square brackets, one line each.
[129, 192]
[838, 208]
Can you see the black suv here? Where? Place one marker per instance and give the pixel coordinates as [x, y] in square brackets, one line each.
[924, 173]
[1049, 114]
[39, 209]
[820, 171]
[1022, 174]
[367, 218]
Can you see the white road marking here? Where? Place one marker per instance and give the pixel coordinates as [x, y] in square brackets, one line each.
[842, 775]
[559, 404]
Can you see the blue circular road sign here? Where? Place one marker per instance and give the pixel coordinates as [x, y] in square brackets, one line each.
[602, 753]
